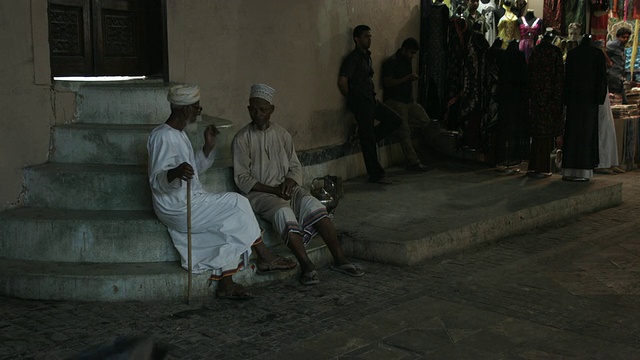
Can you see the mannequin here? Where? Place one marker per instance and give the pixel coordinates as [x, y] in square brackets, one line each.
[473, 16]
[488, 9]
[489, 128]
[547, 110]
[513, 107]
[433, 52]
[530, 27]
[507, 26]
[585, 89]
[574, 36]
[518, 7]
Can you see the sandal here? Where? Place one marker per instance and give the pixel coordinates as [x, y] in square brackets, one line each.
[234, 292]
[383, 180]
[278, 263]
[309, 278]
[348, 269]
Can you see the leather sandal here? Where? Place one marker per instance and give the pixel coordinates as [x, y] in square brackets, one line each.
[278, 263]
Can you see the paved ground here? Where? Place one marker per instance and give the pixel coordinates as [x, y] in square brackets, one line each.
[571, 291]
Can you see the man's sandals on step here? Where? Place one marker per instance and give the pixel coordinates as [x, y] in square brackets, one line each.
[278, 263]
[309, 278]
[234, 292]
[348, 269]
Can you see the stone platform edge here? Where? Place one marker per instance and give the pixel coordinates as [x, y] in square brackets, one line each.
[415, 251]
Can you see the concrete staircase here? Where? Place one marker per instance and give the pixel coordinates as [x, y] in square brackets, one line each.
[88, 231]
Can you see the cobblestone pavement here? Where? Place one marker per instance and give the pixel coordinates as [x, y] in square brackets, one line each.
[570, 291]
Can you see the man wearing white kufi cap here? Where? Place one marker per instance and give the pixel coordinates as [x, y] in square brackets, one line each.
[223, 225]
[267, 170]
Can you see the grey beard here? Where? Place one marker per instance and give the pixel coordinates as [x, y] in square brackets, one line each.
[191, 128]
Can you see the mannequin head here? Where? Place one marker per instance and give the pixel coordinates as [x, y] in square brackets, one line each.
[530, 14]
[574, 31]
[549, 34]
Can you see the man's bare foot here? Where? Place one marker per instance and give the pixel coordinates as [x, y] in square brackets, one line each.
[228, 289]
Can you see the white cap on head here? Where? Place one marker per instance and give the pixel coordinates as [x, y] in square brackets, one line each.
[183, 95]
[262, 91]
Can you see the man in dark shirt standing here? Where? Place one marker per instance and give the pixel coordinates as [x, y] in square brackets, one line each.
[615, 51]
[398, 78]
[356, 84]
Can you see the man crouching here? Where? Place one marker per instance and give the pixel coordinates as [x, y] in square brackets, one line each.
[266, 169]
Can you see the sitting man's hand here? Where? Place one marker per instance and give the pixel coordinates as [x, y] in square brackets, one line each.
[183, 171]
[286, 188]
[210, 134]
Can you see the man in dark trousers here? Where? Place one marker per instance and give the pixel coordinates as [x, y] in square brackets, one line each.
[356, 84]
[398, 78]
[616, 73]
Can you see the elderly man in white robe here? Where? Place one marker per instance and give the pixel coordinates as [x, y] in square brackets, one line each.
[267, 170]
[224, 227]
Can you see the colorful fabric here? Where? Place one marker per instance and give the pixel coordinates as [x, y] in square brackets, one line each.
[553, 11]
[508, 28]
[574, 12]
[529, 35]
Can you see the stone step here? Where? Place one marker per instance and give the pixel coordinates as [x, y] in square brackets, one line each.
[104, 187]
[98, 236]
[123, 103]
[87, 187]
[125, 282]
[124, 144]
[84, 236]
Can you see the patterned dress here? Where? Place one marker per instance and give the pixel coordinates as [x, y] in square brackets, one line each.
[546, 69]
[433, 59]
[490, 75]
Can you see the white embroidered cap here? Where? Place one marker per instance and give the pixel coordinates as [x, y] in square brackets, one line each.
[183, 95]
[262, 91]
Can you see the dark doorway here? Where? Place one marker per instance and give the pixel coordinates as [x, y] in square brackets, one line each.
[107, 37]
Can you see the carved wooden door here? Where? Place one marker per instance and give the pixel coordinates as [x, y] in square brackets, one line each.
[105, 37]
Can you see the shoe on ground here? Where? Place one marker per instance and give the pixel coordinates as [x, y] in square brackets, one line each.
[603, 171]
[348, 269]
[278, 263]
[419, 167]
[617, 169]
[383, 180]
[309, 278]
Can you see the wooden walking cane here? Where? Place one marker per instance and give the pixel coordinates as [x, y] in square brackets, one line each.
[189, 261]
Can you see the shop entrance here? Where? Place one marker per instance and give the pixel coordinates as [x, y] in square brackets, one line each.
[107, 37]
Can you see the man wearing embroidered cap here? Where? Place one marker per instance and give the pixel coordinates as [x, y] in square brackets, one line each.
[223, 225]
[267, 170]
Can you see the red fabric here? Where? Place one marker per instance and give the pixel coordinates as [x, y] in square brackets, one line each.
[552, 14]
[599, 26]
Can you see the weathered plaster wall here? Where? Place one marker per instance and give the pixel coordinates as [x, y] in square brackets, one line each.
[26, 108]
[537, 6]
[295, 46]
